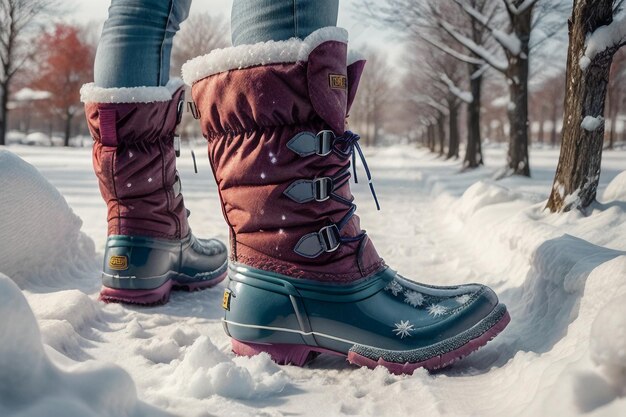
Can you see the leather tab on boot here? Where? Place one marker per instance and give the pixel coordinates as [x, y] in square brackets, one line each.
[178, 186]
[108, 126]
[314, 244]
[303, 191]
[306, 143]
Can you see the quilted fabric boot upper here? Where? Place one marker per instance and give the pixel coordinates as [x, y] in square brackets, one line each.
[134, 158]
[260, 107]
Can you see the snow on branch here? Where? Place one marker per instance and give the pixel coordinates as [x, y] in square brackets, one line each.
[479, 50]
[455, 54]
[517, 10]
[603, 38]
[478, 16]
[429, 101]
[509, 41]
[465, 96]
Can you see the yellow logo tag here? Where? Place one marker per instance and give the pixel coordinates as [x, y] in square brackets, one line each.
[119, 263]
[226, 300]
[338, 82]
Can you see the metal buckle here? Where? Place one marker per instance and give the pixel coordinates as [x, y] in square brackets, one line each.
[322, 187]
[324, 144]
[329, 238]
[193, 109]
[180, 108]
[177, 145]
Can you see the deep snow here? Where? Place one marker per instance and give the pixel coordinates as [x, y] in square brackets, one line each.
[563, 278]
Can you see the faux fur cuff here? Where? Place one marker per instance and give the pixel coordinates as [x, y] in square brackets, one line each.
[90, 93]
[264, 53]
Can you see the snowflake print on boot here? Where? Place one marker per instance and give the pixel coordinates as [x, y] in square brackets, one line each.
[403, 329]
[304, 277]
[413, 298]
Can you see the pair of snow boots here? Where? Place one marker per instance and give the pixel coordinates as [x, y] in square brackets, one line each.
[304, 278]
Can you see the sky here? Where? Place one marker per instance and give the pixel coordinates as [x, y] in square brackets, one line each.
[361, 33]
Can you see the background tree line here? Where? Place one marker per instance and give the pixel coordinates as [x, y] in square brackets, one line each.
[472, 72]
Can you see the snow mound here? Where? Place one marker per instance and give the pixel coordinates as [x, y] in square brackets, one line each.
[483, 194]
[608, 340]
[616, 190]
[40, 239]
[31, 385]
[205, 371]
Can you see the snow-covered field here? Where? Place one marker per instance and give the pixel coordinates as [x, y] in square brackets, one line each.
[563, 277]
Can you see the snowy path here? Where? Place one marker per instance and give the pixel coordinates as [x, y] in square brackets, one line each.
[436, 226]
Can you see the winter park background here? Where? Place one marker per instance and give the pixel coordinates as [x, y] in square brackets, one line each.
[442, 113]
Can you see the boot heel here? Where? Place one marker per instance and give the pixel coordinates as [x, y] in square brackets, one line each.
[282, 354]
[155, 296]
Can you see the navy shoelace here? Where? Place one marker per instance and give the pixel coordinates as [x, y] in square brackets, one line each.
[344, 146]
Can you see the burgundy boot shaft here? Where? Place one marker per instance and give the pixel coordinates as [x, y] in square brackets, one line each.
[280, 199]
[135, 162]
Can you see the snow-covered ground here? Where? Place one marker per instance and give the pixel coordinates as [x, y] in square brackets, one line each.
[563, 278]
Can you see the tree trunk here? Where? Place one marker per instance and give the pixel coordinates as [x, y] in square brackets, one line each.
[4, 100]
[431, 137]
[68, 129]
[542, 121]
[453, 129]
[473, 151]
[517, 75]
[555, 120]
[612, 132]
[578, 170]
[441, 131]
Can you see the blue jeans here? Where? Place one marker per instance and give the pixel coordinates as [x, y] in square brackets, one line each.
[136, 42]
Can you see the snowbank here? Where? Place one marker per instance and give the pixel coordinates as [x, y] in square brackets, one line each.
[30, 385]
[563, 278]
[616, 190]
[40, 239]
[608, 341]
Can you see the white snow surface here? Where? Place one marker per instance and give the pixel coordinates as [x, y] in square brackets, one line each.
[563, 277]
[603, 38]
[591, 123]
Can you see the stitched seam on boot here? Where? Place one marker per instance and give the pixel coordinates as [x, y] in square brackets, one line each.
[227, 134]
[286, 268]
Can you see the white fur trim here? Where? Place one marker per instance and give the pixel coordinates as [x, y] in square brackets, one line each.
[264, 53]
[354, 56]
[91, 93]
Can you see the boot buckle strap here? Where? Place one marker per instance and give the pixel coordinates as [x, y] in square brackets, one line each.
[314, 244]
[177, 188]
[303, 191]
[307, 143]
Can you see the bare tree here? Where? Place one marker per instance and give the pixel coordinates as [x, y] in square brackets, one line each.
[421, 20]
[17, 17]
[371, 106]
[616, 93]
[594, 38]
[198, 35]
[510, 59]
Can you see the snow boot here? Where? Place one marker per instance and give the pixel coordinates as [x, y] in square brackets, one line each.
[150, 249]
[304, 278]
